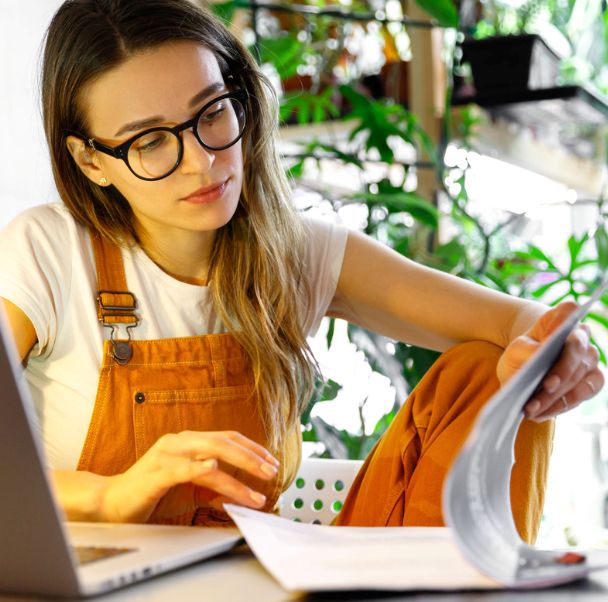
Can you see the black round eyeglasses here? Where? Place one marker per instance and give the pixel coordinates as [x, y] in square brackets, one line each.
[156, 153]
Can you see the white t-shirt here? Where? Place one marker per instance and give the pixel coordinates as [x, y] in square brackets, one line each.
[47, 269]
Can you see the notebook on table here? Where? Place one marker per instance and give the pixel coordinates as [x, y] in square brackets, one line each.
[41, 553]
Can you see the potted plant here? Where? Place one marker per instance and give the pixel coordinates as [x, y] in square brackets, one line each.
[510, 64]
[513, 47]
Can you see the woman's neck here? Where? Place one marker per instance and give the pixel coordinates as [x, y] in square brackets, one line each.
[182, 255]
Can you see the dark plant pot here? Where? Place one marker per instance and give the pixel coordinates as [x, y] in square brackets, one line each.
[392, 81]
[511, 63]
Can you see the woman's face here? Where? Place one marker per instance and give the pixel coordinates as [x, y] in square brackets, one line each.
[165, 86]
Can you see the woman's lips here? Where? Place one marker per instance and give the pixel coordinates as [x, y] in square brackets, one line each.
[207, 194]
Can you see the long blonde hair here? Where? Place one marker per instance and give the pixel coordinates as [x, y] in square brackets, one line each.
[258, 277]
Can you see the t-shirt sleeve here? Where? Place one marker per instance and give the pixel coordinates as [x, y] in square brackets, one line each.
[327, 242]
[35, 269]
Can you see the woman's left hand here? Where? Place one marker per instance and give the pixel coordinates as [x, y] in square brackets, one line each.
[573, 378]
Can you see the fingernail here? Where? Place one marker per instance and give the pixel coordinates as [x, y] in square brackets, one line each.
[552, 383]
[269, 469]
[258, 498]
[533, 407]
[270, 458]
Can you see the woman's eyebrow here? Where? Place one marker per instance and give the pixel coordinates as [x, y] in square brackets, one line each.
[205, 92]
[138, 125]
[133, 126]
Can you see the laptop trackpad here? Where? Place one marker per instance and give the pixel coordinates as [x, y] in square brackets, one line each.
[88, 554]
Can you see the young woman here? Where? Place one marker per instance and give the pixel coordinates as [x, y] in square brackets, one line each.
[162, 309]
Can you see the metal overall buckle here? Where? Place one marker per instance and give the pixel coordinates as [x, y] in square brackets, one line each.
[121, 348]
[118, 317]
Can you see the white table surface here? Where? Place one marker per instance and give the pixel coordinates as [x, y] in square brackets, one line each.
[238, 577]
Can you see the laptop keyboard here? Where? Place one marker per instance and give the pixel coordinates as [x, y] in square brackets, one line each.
[88, 554]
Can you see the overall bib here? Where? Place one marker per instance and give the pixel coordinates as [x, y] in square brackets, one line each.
[150, 388]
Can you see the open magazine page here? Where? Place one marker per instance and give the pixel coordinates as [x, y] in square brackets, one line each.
[307, 557]
[480, 548]
[476, 495]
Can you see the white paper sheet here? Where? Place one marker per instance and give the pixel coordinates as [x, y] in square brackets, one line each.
[304, 557]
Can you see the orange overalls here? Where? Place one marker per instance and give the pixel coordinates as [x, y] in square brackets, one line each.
[149, 388]
[205, 383]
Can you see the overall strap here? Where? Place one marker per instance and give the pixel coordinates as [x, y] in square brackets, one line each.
[115, 304]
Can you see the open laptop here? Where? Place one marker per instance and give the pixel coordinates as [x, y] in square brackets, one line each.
[39, 552]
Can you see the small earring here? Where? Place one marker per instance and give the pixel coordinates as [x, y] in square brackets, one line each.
[102, 182]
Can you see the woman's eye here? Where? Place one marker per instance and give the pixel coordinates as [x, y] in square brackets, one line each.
[149, 143]
[213, 115]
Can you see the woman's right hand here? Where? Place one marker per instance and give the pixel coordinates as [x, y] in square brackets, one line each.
[149, 488]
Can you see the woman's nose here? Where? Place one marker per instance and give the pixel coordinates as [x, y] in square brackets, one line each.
[196, 159]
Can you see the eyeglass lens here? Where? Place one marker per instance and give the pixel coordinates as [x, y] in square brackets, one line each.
[155, 154]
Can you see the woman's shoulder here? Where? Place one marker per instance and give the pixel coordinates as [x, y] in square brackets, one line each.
[49, 217]
[326, 236]
[323, 226]
[48, 228]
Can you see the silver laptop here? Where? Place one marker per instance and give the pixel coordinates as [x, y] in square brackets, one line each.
[39, 552]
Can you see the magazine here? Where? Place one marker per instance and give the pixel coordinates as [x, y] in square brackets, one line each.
[476, 500]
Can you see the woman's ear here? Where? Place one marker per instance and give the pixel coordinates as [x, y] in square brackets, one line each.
[85, 158]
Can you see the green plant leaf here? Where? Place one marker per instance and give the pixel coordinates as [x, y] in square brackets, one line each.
[330, 390]
[374, 347]
[518, 267]
[541, 290]
[574, 247]
[224, 10]
[335, 440]
[605, 19]
[310, 435]
[286, 53]
[296, 170]
[309, 108]
[415, 362]
[336, 153]
[384, 422]
[561, 298]
[499, 281]
[330, 331]
[599, 318]
[601, 245]
[326, 392]
[402, 246]
[381, 120]
[535, 252]
[406, 202]
[453, 255]
[443, 10]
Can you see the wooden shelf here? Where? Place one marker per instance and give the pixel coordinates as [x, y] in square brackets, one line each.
[502, 138]
[577, 105]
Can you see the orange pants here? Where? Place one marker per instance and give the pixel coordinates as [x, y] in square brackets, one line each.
[402, 479]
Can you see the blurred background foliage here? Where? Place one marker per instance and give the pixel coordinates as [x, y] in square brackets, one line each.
[312, 51]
